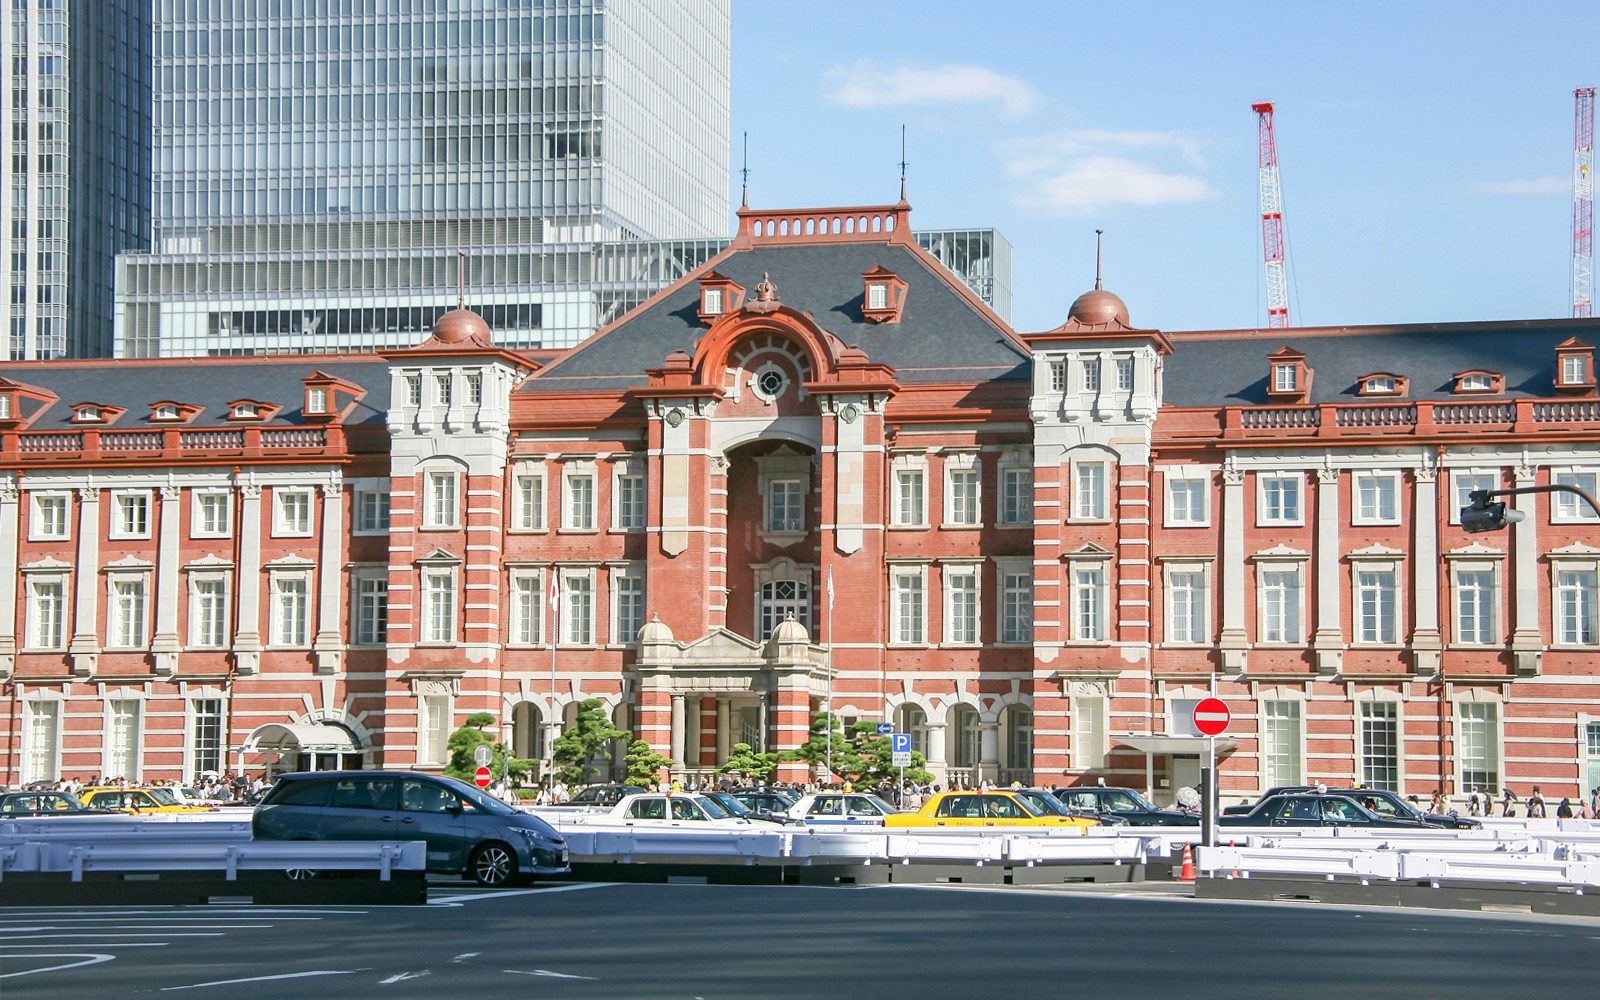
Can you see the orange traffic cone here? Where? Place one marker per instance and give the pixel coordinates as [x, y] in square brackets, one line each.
[1186, 874]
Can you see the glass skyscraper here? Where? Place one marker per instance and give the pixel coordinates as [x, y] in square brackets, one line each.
[320, 164]
[77, 118]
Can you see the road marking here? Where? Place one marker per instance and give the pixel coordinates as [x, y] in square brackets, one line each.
[263, 979]
[547, 973]
[470, 954]
[402, 977]
[168, 934]
[89, 958]
[470, 897]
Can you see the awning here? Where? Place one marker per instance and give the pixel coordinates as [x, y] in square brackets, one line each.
[1175, 744]
[308, 737]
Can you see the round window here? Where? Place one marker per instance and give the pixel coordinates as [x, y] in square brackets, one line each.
[770, 383]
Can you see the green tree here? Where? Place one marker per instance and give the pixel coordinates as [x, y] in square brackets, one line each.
[644, 764]
[744, 759]
[464, 742]
[873, 755]
[815, 751]
[589, 737]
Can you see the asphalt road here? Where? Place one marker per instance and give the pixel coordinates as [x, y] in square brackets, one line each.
[617, 942]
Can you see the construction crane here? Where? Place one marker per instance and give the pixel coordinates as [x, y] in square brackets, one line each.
[1583, 203]
[1272, 219]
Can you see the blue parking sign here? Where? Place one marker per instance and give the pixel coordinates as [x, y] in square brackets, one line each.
[900, 742]
[885, 728]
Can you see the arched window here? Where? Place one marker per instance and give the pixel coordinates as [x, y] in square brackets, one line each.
[1019, 738]
[967, 743]
[782, 598]
[914, 721]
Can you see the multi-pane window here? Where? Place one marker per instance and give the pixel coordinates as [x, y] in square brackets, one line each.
[1377, 603]
[205, 736]
[47, 612]
[1285, 378]
[1019, 738]
[785, 503]
[629, 615]
[127, 625]
[1574, 370]
[1463, 484]
[1475, 606]
[1377, 498]
[49, 516]
[372, 609]
[1091, 375]
[1280, 743]
[208, 611]
[914, 723]
[909, 503]
[130, 514]
[474, 388]
[1089, 603]
[1088, 732]
[293, 511]
[1016, 606]
[1186, 500]
[1279, 595]
[1186, 604]
[909, 606]
[630, 502]
[1016, 495]
[1380, 745]
[289, 610]
[527, 609]
[372, 511]
[968, 737]
[1058, 376]
[1576, 622]
[578, 609]
[961, 606]
[781, 599]
[1089, 490]
[1478, 745]
[579, 506]
[1124, 374]
[122, 739]
[440, 507]
[1570, 506]
[435, 726]
[527, 503]
[438, 605]
[962, 507]
[213, 514]
[42, 755]
[1279, 500]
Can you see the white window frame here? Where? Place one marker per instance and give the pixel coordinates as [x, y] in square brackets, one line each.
[1574, 369]
[292, 508]
[1090, 490]
[1568, 508]
[1058, 376]
[578, 498]
[1574, 601]
[1015, 509]
[1385, 486]
[1292, 602]
[963, 603]
[627, 604]
[877, 295]
[1188, 498]
[1486, 601]
[1089, 590]
[1188, 602]
[1369, 712]
[1285, 377]
[372, 509]
[1090, 742]
[439, 604]
[203, 504]
[441, 500]
[200, 594]
[1366, 573]
[286, 634]
[123, 505]
[1492, 729]
[1271, 490]
[42, 727]
[908, 506]
[1124, 374]
[369, 606]
[123, 740]
[128, 609]
[908, 604]
[35, 600]
[435, 714]
[630, 498]
[1283, 754]
[783, 505]
[528, 603]
[963, 491]
[1463, 482]
[578, 627]
[44, 529]
[193, 762]
[711, 301]
[1091, 375]
[1016, 602]
[528, 498]
[1476, 382]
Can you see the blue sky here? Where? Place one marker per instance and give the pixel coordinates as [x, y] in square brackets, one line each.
[1425, 148]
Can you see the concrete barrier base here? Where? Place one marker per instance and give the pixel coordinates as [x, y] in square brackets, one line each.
[198, 888]
[1442, 895]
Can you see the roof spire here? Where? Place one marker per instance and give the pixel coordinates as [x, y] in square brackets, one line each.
[1097, 235]
[744, 174]
[461, 279]
[902, 161]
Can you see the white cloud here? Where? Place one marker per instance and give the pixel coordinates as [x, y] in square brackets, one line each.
[868, 85]
[1075, 172]
[1516, 189]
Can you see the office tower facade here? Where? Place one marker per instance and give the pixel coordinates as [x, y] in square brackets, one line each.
[77, 118]
[322, 167]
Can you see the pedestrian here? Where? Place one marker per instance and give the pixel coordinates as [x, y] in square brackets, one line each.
[1474, 807]
[1584, 809]
[1564, 810]
[1436, 806]
[1535, 804]
[1508, 802]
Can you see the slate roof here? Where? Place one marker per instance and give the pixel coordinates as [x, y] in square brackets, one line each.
[134, 385]
[1208, 369]
[941, 337]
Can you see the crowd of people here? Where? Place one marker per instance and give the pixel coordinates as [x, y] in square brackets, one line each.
[209, 787]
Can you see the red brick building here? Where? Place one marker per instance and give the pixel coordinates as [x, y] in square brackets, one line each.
[1033, 552]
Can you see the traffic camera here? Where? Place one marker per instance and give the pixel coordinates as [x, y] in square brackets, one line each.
[1482, 514]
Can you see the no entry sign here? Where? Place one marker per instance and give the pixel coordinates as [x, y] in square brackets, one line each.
[482, 776]
[1211, 717]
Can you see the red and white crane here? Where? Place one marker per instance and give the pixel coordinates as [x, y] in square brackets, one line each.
[1583, 203]
[1272, 242]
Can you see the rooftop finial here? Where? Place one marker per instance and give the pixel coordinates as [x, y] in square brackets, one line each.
[1097, 235]
[461, 279]
[744, 175]
[902, 161]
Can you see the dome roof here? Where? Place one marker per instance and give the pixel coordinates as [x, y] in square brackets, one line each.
[655, 631]
[462, 326]
[790, 630]
[1098, 308]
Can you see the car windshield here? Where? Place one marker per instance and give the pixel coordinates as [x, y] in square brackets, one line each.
[733, 806]
[163, 796]
[1047, 804]
[488, 803]
[1128, 800]
[713, 808]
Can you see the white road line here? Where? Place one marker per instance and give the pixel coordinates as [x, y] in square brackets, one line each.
[470, 897]
[470, 954]
[129, 928]
[106, 944]
[263, 979]
[88, 958]
[402, 977]
[547, 973]
[101, 934]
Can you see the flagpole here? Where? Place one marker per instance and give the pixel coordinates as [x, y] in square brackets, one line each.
[550, 742]
[829, 710]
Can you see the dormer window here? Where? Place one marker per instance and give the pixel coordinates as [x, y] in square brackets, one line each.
[883, 296]
[1285, 378]
[1289, 377]
[1573, 370]
[719, 295]
[1574, 367]
[245, 411]
[88, 415]
[7, 405]
[1479, 381]
[166, 411]
[323, 397]
[711, 301]
[316, 399]
[1384, 384]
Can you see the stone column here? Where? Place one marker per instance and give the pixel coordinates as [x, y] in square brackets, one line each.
[326, 646]
[164, 645]
[1527, 636]
[988, 752]
[1428, 575]
[724, 741]
[10, 528]
[247, 640]
[680, 744]
[84, 648]
[938, 759]
[1328, 641]
[1234, 640]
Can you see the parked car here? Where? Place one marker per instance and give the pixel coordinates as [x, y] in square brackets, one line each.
[841, 809]
[662, 809]
[468, 832]
[731, 803]
[1315, 809]
[770, 802]
[1377, 800]
[137, 800]
[597, 798]
[1124, 804]
[1000, 807]
[14, 805]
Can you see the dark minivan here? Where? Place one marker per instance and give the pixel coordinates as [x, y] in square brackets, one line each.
[467, 831]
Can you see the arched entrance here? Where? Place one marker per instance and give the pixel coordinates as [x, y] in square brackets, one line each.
[323, 745]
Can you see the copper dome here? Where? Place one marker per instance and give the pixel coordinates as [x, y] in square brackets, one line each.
[462, 326]
[1098, 308]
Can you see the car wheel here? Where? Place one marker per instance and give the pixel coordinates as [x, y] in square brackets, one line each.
[493, 865]
[300, 874]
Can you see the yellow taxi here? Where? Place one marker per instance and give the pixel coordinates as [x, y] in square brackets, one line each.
[998, 807]
[137, 800]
